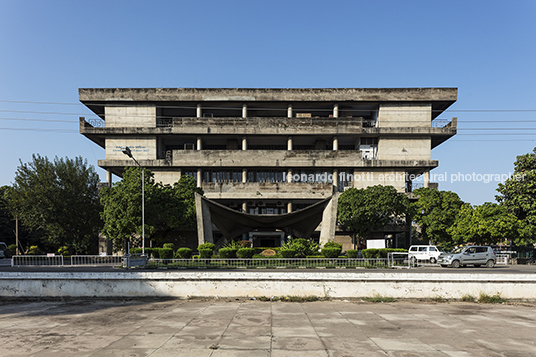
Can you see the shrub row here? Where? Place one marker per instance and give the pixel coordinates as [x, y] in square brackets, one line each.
[380, 253]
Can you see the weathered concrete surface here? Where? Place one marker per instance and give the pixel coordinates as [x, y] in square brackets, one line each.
[223, 283]
[253, 328]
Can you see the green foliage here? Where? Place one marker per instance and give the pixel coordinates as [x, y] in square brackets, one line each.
[228, 253]
[375, 253]
[210, 246]
[302, 246]
[59, 198]
[364, 210]
[491, 299]
[245, 253]
[205, 253]
[166, 207]
[435, 211]
[331, 252]
[288, 252]
[245, 243]
[352, 253]
[183, 253]
[489, 223]
[518, 195]
[34, 250]
[332, 244]
[63, 251]
[468, 298]
[165, 253]
[379, 298]
[169, 246]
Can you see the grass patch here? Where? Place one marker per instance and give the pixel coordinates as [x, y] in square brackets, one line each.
[438, 299]
[491, 299]
[292, 298]
[468, 298]
[379, 298]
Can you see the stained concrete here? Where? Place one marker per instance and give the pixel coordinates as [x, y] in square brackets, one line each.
[253, 328]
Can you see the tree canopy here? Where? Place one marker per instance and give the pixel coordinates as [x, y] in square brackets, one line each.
[435, 211]
[371, 208]
[518, 193]
[59, 198]
[166, 207]
[488, 223]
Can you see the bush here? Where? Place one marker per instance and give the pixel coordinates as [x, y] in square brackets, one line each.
[165, 253]
[245, 253]
[205, 253]
[352, 253]
[331, 252]
[380, 253]
[332, 244]
[183, 253]
[63, 251]
[34, 250]
[288, 253]
[229, 253]
[13, 248]
[245, 244]
[302, 246]
[169, 246]
[206, 246]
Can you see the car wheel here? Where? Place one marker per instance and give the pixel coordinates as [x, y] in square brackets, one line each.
[490, 264]
[433, 260]
[477, 265]
[455, 264]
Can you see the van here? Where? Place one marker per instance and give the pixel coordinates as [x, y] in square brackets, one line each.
[423, 252]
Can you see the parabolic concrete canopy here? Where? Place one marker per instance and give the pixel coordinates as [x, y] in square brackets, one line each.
[232, 223]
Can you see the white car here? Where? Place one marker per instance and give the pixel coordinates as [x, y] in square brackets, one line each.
[424, 252]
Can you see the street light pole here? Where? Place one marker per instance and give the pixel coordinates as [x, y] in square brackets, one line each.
[128, 152]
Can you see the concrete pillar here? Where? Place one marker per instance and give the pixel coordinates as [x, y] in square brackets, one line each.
[244, 110]
[244, 175]
[336, 110]
[289, 175]
[199, 143]
[108, 178]
[199, 178]
[199, 111]
[204, 221]
[336, 178]
[289, 111]
[289, 143]
[244, 143]
[329, 220]
[335, 143]
[244, 206]
[427, 179]
[289, 207]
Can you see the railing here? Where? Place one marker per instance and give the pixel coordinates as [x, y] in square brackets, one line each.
[96, 123]
[400, 260]
[440, 123]
[502, 259]
[268, 263]
[96, 260]
[36, 260]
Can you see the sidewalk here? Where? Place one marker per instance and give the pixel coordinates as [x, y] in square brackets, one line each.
[255, 328]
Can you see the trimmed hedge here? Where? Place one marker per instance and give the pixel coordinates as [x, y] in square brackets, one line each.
[331, 252]
[352, 253]
[183, 253]
[380, 253]
[169, 246]
[228, 253]
[245, 253]
[288, 253]
[205, 253]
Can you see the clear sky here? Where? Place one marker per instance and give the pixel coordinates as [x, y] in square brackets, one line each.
[49, 49]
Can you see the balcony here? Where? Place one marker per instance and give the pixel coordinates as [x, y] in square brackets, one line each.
[267, 190]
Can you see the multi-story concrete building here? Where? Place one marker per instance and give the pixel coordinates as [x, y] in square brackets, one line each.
[270, 153]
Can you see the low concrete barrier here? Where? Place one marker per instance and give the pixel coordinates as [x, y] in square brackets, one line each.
[254, 284]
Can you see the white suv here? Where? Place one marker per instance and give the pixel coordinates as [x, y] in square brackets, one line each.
[423, 252]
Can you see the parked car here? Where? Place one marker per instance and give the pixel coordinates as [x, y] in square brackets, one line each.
[469, 255]
[424, 252]
[4, 251]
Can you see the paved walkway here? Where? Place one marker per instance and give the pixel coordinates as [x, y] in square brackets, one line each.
[254, 328]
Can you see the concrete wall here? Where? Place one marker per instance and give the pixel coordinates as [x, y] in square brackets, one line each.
[142, 147]
[265, 191]
[130, 116]
[386, 177]
[392, 115]
[334, 284]
[418, 148]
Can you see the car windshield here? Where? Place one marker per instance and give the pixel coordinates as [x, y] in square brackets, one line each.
[457, 250]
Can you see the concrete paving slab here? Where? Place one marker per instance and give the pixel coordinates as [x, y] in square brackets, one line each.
[215, 328]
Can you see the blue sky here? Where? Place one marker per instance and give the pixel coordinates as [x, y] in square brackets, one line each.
[49, 49]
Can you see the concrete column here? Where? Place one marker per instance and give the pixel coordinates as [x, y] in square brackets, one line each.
[204, 221]
[289, 207]
[289, 111]
[289, 143]
[199, 178]
[336, 178]
[199, 111]
[329, 220]
[244, 143]
[427, 179]
[244, 175]
[199, 143]
[108, 179]
[244, 110]
[289, 175]
[179, 173]
[335, 143]
[336, 110]
[244, 206]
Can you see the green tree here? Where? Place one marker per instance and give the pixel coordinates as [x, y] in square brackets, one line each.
[167, 208]
[59, 198]
[435, 211]
[369, 209]
[489, 223]
[518, 193]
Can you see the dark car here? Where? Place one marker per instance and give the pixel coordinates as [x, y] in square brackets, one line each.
[4, 251]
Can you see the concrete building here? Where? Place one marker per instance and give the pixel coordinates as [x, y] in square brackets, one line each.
[272, 152]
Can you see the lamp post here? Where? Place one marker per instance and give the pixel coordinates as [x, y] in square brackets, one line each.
[127, 152]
